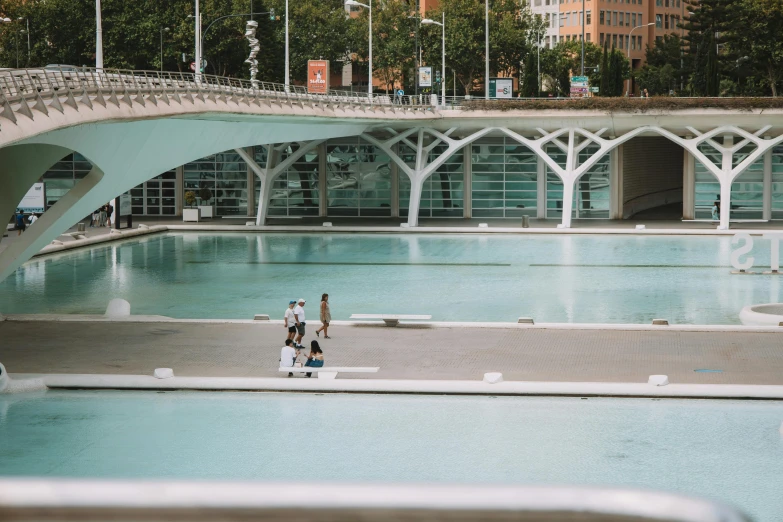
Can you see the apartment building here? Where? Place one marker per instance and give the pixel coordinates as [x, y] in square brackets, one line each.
[550, 12]
[623, 23]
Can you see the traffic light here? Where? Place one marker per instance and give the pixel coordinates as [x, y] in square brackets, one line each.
[272, 14]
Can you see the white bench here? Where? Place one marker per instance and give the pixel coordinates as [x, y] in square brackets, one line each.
[330, 372]
[392, 319]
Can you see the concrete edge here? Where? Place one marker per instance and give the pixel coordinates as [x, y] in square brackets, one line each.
[422, 325]
[399, 386]
[96, 240]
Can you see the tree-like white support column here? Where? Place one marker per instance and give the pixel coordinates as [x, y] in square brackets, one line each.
[726, 172]
[425, 142]
[267, 175]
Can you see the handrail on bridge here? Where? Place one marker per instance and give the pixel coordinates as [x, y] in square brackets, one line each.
[22, 90]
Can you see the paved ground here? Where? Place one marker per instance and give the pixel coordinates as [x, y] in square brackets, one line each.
[252, 350]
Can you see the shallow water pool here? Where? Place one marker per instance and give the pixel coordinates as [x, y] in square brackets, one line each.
[552, 278]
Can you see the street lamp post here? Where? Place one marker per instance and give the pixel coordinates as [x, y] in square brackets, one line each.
[354, 2]
[442, 25]
[486, 49]
[162, 30]
[628, 51]
[286, 47]
[98, 36]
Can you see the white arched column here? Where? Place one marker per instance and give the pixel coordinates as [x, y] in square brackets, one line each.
[426, 140]
[274, 167]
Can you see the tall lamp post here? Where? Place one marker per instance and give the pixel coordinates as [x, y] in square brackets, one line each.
[628, 51]
[442, 25]
[354, 2]
[98, 36]
[162, 30]
[486, 49]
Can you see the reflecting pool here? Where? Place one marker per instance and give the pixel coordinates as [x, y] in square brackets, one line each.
[725, 450]
[552, 278]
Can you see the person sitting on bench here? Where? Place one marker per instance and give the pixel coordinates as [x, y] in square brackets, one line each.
[288, 356]
[316, 357]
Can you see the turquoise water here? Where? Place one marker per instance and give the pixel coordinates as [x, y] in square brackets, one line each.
[726, 450]
[552, 278]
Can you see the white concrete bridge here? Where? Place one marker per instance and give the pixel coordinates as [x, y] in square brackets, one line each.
[133, 125]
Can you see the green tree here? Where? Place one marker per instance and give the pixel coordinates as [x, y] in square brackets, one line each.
[755, 38]
[528, 87]
[604, 70]
[708, 24]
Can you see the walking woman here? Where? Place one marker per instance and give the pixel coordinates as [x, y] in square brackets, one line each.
[326, 317]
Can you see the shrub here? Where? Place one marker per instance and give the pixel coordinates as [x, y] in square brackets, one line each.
[622, 104]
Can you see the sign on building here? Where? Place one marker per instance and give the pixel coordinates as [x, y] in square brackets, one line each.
[501, 87]
[318, 76]
[580, 86]
[34, 200]
[425, 76]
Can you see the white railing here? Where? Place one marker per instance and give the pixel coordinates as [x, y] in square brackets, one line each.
[23, 90]
[58, 500]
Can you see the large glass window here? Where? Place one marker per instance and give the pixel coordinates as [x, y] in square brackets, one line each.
[747, 190]
[63, 176]
[358, 179]
[225, 175]
[442, 194]
[707, 190]
[295, 192]
[504, 179]
[591, 191]
[155, 197]
[777, 182]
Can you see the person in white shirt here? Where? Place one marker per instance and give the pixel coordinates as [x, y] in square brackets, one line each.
[33, 218]
[288, 356]
[290, 320]
[299, 314]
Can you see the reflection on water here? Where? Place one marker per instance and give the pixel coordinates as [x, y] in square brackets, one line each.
[552, 278]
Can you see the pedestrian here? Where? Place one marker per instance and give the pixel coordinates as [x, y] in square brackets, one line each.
[299, 315]
[288, 356]
[326, 317]
[290, 320]
[21, 225]
[102, 217]
[715, 211]
[316, 357]
[94, 217]
[646, 94]
[33, 218]
[109, 213]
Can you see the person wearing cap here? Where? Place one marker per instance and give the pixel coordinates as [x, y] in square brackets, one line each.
[290, 320]
[299, 315]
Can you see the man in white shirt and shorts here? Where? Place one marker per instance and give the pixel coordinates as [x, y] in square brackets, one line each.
[299, 314]
[288, 356]
[290, 320]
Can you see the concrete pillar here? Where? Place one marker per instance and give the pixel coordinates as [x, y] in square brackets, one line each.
[323, 194]
[179, 190]
[616, 183]
[415, 202]
[541, 181]
[467, 182]
[688, 185]
[766, 212]
[251, 187]
[727, 158]
[395, 190]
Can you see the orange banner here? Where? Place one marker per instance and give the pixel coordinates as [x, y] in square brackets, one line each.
[318, 76]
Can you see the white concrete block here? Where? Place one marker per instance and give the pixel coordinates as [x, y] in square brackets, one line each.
[327, 223]
[404, 225]
[57, 242]
[327, 375]
[250, 223]
[640, 227]
[483, 225]
[163, 373]
[658, 380]
[261, 317]
[143, 226]
[118, 308]
[560, 225]
[493, 377]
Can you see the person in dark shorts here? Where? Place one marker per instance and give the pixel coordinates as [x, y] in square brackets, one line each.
[290, 320]
[299, 314]
[21, 224]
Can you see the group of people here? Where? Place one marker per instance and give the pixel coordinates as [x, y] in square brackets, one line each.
[21, 222]
[102, 216]
[296, 323]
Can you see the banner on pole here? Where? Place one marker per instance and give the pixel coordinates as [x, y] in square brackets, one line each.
[425, 76]
[318, 76]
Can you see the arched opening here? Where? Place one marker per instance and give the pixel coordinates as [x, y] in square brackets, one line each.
[652, 179]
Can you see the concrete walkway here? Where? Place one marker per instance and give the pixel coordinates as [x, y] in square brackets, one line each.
[253, 349]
